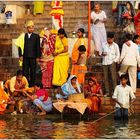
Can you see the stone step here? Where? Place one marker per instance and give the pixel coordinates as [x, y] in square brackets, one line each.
[8, 62]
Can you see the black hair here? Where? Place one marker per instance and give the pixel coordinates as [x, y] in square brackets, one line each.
[81, 30]
[139, 6]
[90, 79]
[124, 76]
[128, 36]
[110, 35]
[19, 72]
[38, 84]
[131, 7]
[62, 31]
[82, 48]
[135, 37]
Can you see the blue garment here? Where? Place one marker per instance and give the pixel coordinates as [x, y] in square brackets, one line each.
[121, 114]
[139, 48]
[68, 89]
[138, 75]
[46, 105]
[121, 8]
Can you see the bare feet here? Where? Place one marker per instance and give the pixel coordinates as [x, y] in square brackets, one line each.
[41, 113]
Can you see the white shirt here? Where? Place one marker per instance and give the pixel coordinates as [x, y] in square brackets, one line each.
[130, 54]
[113, 53]
[29, 35]
[123, 95]
[100, 16]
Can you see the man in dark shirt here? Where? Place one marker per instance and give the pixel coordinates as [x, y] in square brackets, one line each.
[31, 53]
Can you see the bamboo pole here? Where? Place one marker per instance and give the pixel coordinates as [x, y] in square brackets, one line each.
[89, 28]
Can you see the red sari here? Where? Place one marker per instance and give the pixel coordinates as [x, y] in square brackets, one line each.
[137, 23]
[47, 60]
[96, 101]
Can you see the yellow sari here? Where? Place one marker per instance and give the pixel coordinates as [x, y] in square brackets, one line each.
[61, 62]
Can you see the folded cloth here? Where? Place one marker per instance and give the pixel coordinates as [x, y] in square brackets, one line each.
[80, 107]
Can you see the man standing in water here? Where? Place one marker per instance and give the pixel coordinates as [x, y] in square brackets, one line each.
[31, 53]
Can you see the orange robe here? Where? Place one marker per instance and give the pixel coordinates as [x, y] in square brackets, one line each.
[3, 100]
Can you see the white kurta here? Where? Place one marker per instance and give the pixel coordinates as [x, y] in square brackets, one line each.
[123, 95]
[129, 59]
[98, 30]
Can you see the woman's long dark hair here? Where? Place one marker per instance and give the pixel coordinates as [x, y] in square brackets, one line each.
[132, 8]
[62, 31]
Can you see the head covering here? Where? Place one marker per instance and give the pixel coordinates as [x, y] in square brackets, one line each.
[67, 88]
[29, 23]
[95, 89]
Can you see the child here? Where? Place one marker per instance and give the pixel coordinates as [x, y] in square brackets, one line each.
[79, 69]
[122, 95]
[41, 99]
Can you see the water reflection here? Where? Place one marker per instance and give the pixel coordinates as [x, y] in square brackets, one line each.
[54, 127]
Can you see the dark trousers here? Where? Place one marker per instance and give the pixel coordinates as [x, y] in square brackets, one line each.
[110, 71]
[121, 114]
[29, 70]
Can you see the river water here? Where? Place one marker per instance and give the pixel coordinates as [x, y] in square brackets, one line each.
[53, 126]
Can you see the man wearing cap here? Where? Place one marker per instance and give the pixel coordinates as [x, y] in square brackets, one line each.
[31, 53]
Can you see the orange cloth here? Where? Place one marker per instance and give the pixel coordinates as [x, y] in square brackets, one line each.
[94, 91]
[3, 100]
[75, 52]
[96, 102]
[79, 71]
[138, 28]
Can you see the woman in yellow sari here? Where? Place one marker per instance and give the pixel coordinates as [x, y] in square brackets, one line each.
[61, 59]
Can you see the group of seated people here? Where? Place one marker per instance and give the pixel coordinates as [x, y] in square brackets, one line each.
[20, 98]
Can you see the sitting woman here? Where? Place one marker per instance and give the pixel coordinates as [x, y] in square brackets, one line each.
[4, 99]
[93, 91]
[41, 99]
[70, 87]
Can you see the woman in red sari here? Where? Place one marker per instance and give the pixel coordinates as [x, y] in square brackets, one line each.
[93, 91]
[47, 59]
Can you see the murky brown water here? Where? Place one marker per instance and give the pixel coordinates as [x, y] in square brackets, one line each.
[52, 126]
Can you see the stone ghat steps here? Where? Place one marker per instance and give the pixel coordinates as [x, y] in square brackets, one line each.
[8, 67]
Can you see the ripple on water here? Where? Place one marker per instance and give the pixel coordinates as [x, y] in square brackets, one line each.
[34, 127]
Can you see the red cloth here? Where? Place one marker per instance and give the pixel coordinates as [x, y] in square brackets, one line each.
[47, 74]
[95, 89]
[42, 92]
[137, 23]
[136, 18]
[47, 66]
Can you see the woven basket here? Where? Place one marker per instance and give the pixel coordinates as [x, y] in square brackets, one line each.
[78, 97]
